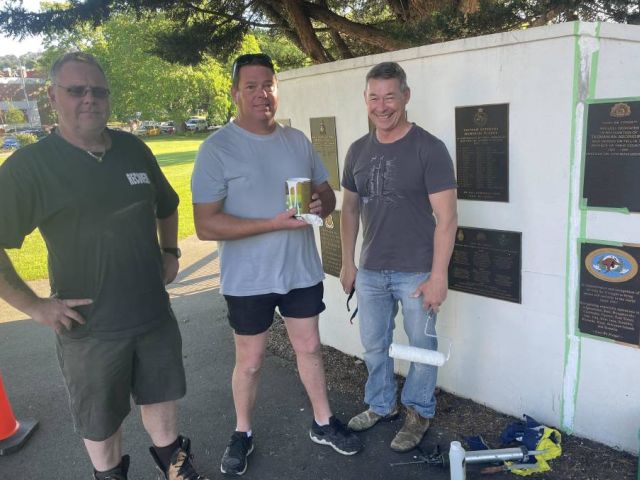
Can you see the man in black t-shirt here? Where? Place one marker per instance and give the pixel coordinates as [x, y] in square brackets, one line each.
[399, 181]
[100, 201]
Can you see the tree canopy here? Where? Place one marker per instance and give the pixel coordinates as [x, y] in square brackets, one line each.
[324, 30]
[141, 83]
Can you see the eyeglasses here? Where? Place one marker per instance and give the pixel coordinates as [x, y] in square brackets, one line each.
[250, 59]
[80, 91]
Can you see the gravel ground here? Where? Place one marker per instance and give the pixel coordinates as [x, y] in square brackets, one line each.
[580, 460]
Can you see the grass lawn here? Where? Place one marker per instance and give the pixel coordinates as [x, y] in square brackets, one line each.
[175, 155]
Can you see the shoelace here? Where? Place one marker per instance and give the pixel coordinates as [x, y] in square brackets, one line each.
[340, 428]
[187, 471]
[238, 446]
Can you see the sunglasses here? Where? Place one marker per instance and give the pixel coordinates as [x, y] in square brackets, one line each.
[80, 91]
[250, 59]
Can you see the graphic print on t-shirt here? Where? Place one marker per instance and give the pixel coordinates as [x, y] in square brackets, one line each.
[380, 182]
[138, 178]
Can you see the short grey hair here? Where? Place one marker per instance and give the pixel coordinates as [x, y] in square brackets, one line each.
[388, 70]
[79, 57]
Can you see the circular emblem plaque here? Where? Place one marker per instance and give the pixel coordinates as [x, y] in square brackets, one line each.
[611, 265]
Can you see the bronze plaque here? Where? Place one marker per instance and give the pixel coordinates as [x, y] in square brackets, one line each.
[488, 263]
[330, 244]
[323, 137]
[612, 155]
[482, 152]
[610, 292]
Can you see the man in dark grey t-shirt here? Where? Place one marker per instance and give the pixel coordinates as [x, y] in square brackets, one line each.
[400, 181]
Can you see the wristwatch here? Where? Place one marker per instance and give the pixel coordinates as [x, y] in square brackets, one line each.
[173, 251]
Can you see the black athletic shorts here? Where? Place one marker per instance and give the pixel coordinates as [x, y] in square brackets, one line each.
[253, 314]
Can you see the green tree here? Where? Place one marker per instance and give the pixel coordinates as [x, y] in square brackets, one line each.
[323, 30]
[14, 116]
[139, 80]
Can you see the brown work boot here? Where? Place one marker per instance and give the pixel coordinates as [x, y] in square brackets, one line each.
[368, 418]
[180, 466]
[411, 432]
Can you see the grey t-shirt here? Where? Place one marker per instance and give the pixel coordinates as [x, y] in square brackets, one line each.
[249, 172]
[393, 182]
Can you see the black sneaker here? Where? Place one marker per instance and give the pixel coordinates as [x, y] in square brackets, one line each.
[180, 466]
[337, 436]
[117, 473]
[234, 460]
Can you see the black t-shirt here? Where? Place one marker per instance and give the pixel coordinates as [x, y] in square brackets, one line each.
[393, 182]
[98, 220]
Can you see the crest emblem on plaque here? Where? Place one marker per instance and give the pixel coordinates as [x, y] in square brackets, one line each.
[460, 235]
[611, 265]
[328, 222]
[480, 118]
[620, 110]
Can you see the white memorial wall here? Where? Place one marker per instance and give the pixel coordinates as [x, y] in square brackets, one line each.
[526, 357]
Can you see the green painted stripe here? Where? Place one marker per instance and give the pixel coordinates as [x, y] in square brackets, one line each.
[572, 297]
[592, 101]
[572, 152]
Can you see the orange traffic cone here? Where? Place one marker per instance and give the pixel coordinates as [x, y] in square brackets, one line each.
[13, 434]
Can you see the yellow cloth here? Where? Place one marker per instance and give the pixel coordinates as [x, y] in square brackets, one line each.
[552, 449]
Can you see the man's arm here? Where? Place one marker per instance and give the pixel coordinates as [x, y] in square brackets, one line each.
[434, 290]
[51, 312]
[213, 224]
[349, 226]
[168, 234]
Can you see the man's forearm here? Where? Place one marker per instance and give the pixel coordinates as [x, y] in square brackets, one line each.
[349, 226]
[443, 242]
[223, 226]
[13, 289]
[168, 230]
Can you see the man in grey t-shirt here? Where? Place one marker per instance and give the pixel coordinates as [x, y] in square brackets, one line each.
[399, 179]
[268, 257]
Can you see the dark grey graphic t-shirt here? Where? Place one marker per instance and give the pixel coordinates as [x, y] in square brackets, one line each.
[393, 181]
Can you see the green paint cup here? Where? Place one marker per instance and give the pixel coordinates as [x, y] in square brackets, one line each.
[299, 194]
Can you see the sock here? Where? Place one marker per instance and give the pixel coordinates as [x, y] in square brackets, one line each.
[164, 453]
[102, 474]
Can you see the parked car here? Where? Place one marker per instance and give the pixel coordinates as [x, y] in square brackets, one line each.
[196, 124]
[148, 128]
[11, 142]
[168, 127]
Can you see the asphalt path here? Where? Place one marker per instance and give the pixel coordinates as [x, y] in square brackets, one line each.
[282, 418]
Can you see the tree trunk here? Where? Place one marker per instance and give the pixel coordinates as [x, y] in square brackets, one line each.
[341, 45]
[363, 33]
[304, 28]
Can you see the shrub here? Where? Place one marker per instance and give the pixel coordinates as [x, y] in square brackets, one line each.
[26, 138]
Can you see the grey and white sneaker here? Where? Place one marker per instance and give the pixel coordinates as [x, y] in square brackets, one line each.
[337, 436]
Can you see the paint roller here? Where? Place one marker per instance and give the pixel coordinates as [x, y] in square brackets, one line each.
[421, 355]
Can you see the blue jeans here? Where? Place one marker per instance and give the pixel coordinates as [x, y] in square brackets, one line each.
[378, 294]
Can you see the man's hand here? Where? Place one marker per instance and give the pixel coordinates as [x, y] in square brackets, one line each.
[288, 221]
[315, 206]
[348, 278]
[433, 291]
[170, 267]
[56, 313]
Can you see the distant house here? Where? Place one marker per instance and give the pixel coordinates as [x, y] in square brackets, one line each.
[23, 90]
